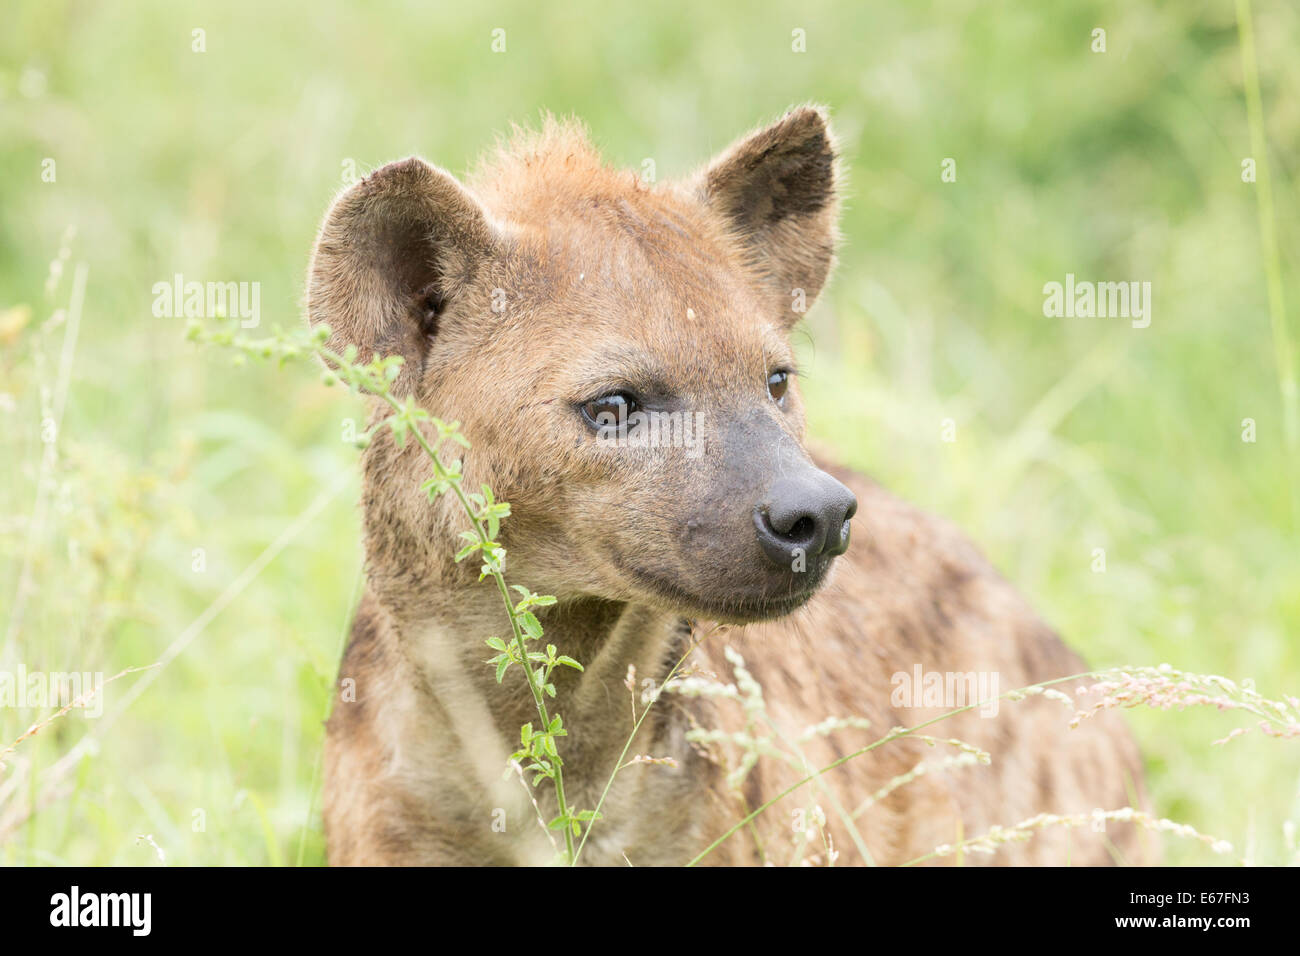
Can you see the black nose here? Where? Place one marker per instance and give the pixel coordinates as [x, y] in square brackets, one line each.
[805, 516]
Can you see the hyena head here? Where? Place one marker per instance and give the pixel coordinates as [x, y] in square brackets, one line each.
[618, 355]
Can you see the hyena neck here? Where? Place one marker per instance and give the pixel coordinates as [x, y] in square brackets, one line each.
[613, 641]
[455, 728]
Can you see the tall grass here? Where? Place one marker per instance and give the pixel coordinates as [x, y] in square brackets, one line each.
[1124, 164]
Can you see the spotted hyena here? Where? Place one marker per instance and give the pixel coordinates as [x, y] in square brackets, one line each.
[554, 306]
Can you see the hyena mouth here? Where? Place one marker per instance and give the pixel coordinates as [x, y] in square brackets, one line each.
[734, 605]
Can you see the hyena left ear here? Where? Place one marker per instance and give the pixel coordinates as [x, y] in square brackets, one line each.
[395, 252]
[776, 191]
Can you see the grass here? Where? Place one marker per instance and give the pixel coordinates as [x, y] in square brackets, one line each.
[1071, 434]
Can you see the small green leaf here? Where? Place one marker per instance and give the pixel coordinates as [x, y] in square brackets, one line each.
[528, 621]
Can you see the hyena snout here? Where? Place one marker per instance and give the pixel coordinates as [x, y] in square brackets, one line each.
[804, 516]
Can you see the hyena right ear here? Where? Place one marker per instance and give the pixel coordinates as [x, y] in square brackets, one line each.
[776, 191]
[392, 256]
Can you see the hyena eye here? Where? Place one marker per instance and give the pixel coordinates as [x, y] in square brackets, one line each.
[609, 410]
[777, 383]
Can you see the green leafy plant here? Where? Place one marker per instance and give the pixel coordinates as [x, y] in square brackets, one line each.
[539, 754]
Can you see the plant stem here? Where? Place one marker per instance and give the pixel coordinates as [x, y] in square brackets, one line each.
[1282, 347]
[538, 694]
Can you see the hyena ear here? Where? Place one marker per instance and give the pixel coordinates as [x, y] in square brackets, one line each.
[776, 191]
[394, 253]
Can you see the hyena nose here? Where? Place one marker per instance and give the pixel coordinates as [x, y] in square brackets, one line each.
[805, 516]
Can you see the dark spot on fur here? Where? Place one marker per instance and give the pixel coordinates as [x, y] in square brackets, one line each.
[430, 305]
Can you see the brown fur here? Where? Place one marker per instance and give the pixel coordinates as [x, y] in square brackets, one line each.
[682, 291]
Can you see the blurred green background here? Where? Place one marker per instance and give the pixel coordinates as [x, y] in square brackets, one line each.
[1071, 434]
